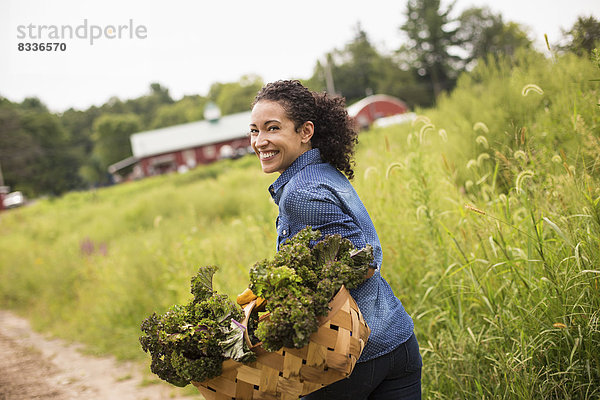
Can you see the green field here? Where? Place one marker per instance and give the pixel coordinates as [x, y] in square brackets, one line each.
[504, 292]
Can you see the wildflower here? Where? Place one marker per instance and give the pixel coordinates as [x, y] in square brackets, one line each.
[87, 246]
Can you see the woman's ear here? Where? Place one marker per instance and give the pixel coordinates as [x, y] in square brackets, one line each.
[307, 130]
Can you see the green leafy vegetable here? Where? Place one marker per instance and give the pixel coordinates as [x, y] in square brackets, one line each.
[234, 344]
[190, 342]
[300, 281]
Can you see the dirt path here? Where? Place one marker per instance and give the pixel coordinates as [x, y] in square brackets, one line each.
[35, 367]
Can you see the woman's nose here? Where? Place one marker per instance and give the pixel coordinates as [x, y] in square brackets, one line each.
[261, 139]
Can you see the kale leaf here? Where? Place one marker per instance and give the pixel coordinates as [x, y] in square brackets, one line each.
[190, 342]
[299, 282]
[234, 345]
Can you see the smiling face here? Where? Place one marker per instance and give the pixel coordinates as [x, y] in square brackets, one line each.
[274, 138]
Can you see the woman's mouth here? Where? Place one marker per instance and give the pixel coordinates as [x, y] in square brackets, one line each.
[267, 155]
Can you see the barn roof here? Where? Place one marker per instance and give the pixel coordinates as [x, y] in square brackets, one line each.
[355, 108]
[193, 134]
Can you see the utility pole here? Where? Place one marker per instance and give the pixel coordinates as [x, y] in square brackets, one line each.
[329, 76]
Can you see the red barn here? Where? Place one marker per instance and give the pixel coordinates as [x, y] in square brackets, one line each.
[182, 147]
[367, 110]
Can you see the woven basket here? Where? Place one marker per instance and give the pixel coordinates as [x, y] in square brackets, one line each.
[290, 373]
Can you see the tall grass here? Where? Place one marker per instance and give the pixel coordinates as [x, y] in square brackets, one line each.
[91, 264]
[487, 207]
[489, 218]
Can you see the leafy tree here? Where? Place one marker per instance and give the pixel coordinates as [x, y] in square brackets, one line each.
[355, 75]
[235, 97]
[188, 109]
[359, 69]
[584, 36]
[116, 106]
[35, 149]
[432, 35]
[317, 80]
[18, 148]
[33, 104]
[92, 172]
[79, 125]
[144, 107]
[483, 32]
[55, 172]
[161, 93]
[111, 137]
[404, 83]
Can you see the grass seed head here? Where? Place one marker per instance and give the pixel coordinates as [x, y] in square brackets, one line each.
[443, 134]
[480, 126]
[531, 88]
[370, 170]
[482, 141]
[475, 209]
[520, 154]
[391, 167]
[482, 157]
[419, 119]
[527, 174]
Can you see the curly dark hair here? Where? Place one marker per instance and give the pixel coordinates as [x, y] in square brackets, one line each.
[335, 134]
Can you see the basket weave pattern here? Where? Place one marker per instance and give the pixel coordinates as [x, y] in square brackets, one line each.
[290, 373]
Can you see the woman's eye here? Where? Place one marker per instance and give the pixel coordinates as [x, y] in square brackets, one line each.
[273, 128]
[253, 132]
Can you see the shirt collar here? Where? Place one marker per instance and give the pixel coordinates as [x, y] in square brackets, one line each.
[312, 156]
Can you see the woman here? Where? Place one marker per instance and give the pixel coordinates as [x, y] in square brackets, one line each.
[309, 139]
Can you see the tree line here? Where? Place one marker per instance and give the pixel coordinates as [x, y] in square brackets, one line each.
[52, 153]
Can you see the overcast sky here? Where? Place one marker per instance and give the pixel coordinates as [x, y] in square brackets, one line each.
[186, 45]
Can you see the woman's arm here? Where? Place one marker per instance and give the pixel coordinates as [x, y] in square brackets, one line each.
[322, 210]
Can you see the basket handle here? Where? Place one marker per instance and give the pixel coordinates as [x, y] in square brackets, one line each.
[247, 311]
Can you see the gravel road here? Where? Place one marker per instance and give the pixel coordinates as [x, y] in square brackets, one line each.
[33, 366]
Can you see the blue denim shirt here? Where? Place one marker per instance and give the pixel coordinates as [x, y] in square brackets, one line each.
[314, 193]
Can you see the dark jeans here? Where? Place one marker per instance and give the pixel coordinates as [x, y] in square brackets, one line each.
[393, 376]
